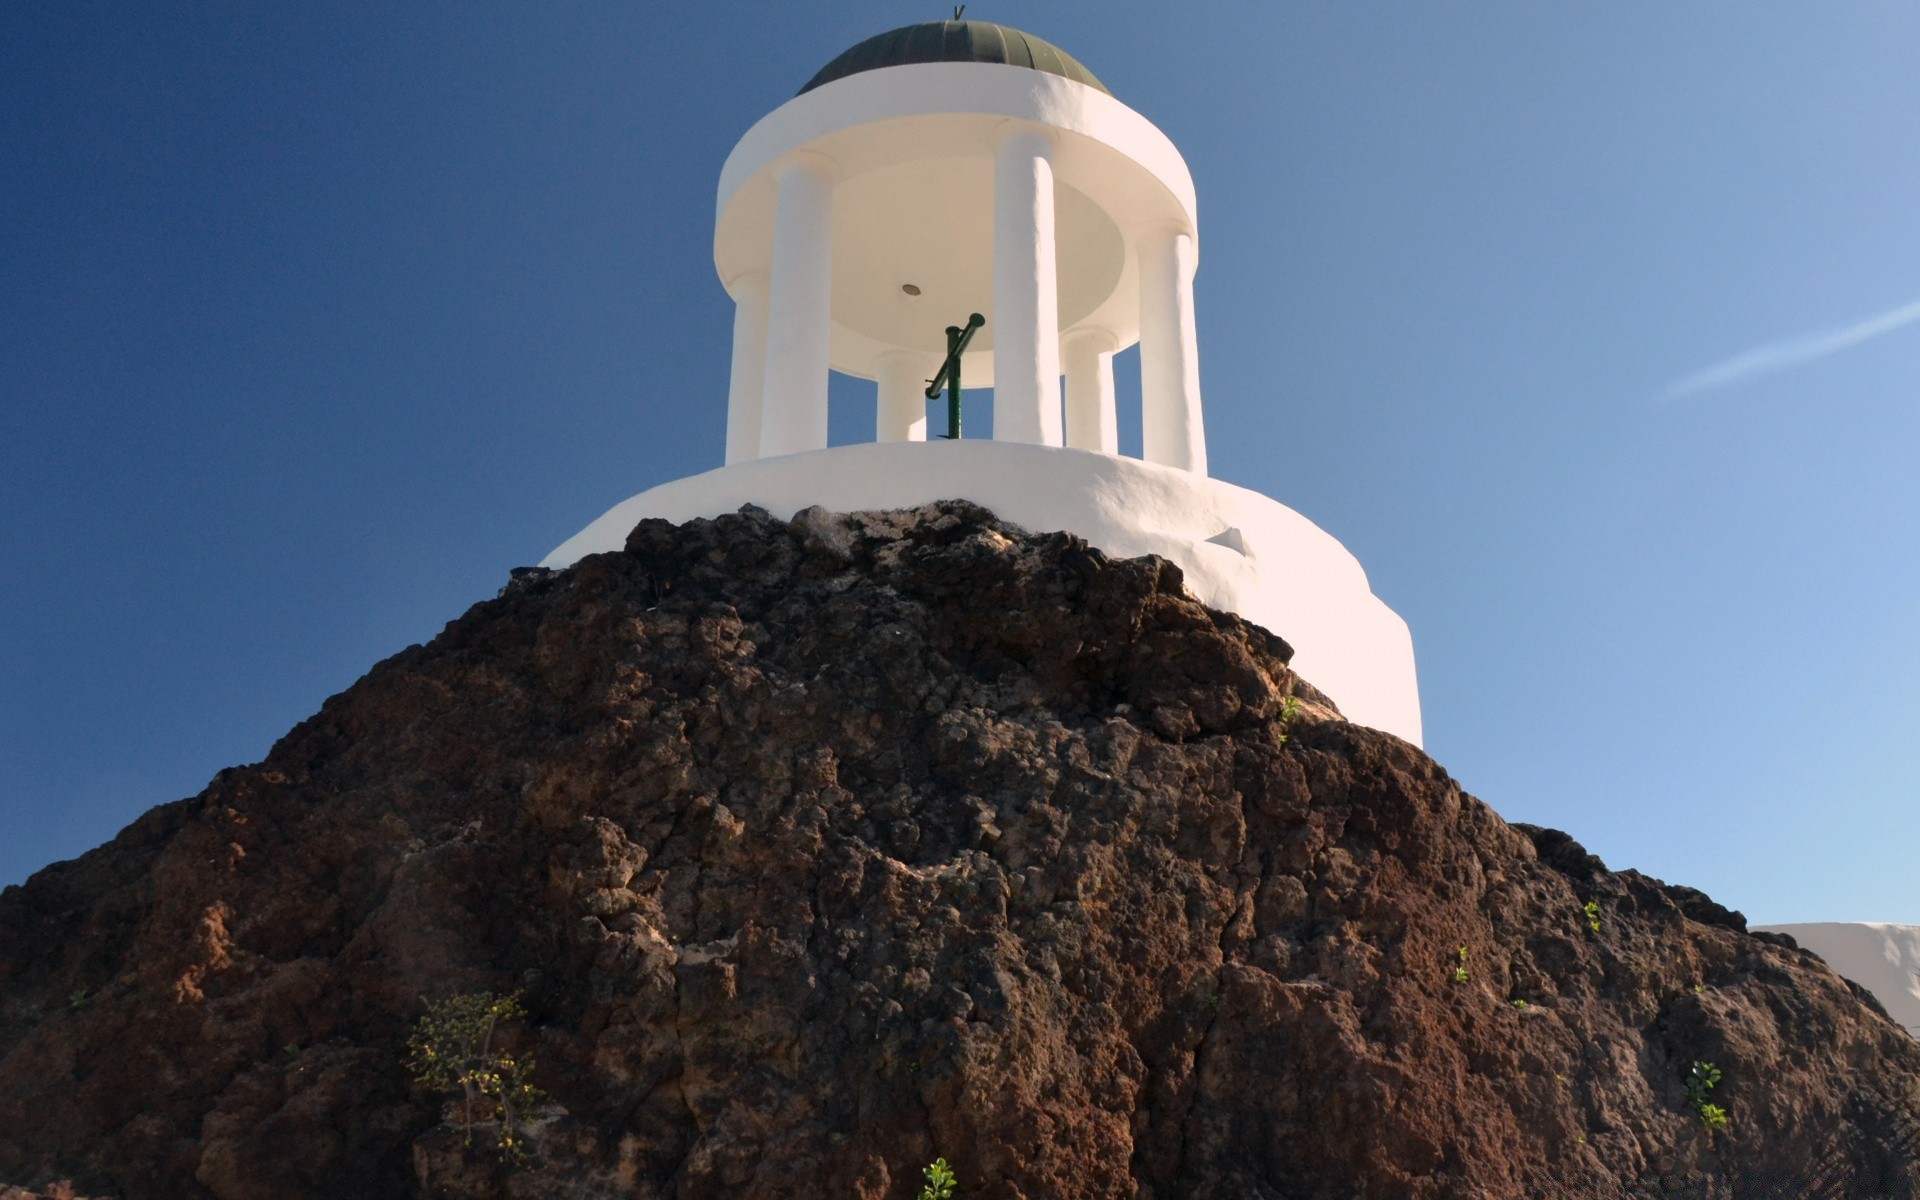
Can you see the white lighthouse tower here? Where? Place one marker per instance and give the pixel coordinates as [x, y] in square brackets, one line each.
[958, 169]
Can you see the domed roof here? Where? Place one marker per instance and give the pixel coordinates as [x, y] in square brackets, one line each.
[955, 41]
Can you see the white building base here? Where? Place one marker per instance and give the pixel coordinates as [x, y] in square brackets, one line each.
[1240, 551]
[1884, 959]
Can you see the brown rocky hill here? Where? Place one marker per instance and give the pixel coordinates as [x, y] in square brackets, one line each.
[816, 850]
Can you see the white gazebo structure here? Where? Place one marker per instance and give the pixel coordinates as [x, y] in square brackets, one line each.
[941, 170]
[960, 167]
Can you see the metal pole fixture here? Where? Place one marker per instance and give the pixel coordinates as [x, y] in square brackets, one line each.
[949, 376]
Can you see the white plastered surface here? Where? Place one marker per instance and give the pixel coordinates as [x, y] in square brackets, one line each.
[1241, 551]
[912, 150]
[1884, 959]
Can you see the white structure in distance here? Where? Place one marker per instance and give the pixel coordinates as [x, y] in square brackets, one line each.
[957, 167]
[1882, 958]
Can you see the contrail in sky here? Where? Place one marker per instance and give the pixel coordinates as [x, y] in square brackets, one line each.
[1778, 356]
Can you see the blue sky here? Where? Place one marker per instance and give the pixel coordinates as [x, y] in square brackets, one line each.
[312, 325]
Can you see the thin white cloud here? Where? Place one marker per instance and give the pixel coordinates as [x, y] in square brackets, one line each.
[1778, 356]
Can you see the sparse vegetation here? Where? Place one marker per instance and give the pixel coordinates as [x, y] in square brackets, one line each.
[1593, 915]
[451, 1050]
[940, 1181]
[1289, 709]
[1460, 973]
[1700, 1084]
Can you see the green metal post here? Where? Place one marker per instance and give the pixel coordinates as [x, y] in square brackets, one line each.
[957, 339]
[953, 383]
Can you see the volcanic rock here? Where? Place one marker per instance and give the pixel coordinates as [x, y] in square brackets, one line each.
[816, 850]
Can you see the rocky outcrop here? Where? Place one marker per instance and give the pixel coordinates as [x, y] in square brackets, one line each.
[818, 849]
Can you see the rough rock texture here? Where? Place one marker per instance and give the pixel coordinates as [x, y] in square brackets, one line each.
[819, 849]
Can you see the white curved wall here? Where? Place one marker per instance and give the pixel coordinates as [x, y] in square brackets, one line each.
[1884, 959]
[913, 149]
[946, 89]
[1269, 564]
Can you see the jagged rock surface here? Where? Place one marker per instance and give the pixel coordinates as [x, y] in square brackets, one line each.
[819, 849]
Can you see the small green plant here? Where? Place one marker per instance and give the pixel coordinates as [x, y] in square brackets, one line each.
[940, 1181]
[1289, 709]
[1700, 1084]
[1593, 915]
[76, 997]
[451, 1050]
[1460, 973]
[1520, 1004]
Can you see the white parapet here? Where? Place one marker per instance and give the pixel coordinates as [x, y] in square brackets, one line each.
[1240, 551]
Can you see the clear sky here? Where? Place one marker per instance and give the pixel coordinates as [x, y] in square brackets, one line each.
[1590, 329]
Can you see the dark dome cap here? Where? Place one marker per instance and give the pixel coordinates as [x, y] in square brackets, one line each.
[955, 41]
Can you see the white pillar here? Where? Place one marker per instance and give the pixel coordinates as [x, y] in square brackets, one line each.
[794, 394]
[902, 412]
[1026, 303]
[749, 366]
[1171, 429]
[1088, 357]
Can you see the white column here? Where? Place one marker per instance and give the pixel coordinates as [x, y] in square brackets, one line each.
[902, 412]
[1088, 357]
[1171, 429]
[794, 395]
[749, 367]
[1026, 303]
